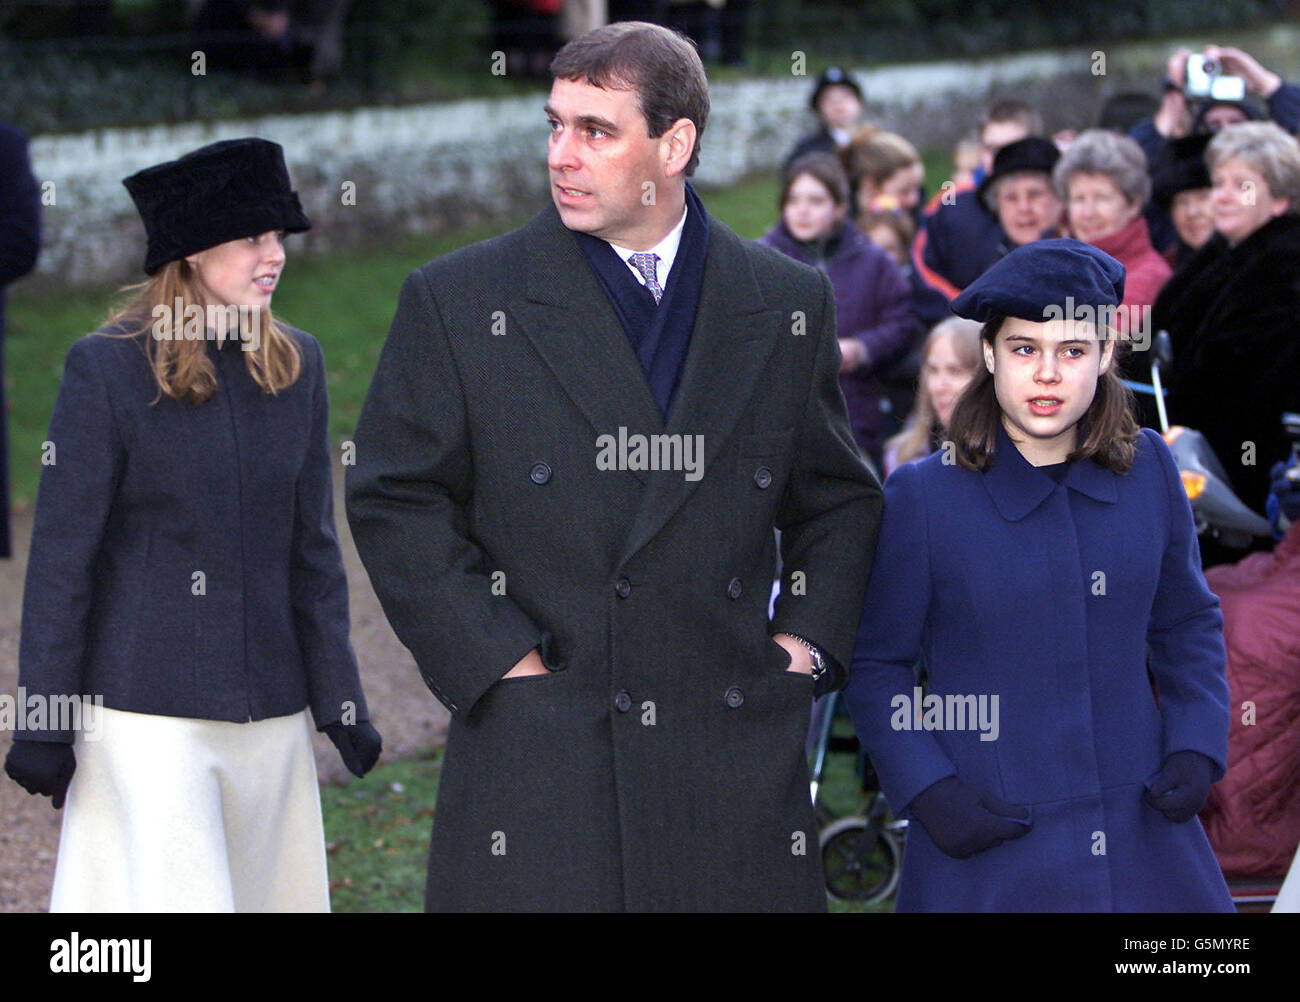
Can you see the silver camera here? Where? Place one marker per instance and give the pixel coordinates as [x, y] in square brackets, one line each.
[1205, 79]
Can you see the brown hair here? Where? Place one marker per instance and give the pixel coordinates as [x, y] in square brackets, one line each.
[659, 65]
[182, 368]
[896, 219]
[1011, 109]
[876, 154]
[1107, 432]
[823, 167]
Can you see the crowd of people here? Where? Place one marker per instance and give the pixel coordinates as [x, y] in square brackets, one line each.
[1198, 200]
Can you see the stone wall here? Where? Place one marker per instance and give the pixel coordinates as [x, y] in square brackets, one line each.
[424, 167]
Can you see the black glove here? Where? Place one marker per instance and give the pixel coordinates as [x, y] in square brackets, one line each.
[359, 745]
[43, 767]
[1179, 789]
[962, 821]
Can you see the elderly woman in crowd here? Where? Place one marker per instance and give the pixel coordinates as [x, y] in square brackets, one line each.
[1232, 312]
[1102, 179]
[1018, 190]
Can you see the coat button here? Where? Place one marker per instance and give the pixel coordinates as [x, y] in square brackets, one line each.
[734, 588]
[623, 588]
[623, 701]
[540, 473]
[734, 697]
[763, 477]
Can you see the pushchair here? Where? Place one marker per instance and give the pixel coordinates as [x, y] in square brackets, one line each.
[861, 852]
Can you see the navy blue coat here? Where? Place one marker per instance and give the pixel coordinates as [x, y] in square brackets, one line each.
[142, 496]
[995, 578]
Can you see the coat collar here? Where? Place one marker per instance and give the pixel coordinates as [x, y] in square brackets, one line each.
[1128, 244]
[1017, 487]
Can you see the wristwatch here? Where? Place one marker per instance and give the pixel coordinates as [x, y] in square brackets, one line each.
[818, 659]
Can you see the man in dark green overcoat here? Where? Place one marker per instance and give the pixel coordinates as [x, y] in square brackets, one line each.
[577, 444]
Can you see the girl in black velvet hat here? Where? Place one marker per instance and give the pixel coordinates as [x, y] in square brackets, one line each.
[185, 578]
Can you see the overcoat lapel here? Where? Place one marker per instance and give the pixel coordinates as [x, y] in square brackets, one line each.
[570, 321]
[733, 339]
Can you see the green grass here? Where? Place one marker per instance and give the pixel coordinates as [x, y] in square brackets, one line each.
[377, 836]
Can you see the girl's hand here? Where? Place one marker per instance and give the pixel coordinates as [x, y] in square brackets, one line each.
[359, 745]
[962, 821]
[43, 767]
[852, 354]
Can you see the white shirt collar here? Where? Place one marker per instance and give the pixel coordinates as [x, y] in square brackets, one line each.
[665, 248]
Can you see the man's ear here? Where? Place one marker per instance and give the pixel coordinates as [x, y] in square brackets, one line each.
[677, 145]
[988, 354]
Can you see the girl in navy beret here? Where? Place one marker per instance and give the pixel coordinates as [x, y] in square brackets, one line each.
[1043, 565]
[185, 577]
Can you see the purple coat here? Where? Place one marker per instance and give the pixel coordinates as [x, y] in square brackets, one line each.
[872, 304]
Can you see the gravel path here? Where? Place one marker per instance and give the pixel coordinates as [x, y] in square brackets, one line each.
[403, 710]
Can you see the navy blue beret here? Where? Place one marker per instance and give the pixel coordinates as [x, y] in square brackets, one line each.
[1062, 273]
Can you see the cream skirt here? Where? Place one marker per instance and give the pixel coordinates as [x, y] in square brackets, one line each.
[171, 814]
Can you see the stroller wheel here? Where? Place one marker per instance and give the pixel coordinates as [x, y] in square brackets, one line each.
[859, 868]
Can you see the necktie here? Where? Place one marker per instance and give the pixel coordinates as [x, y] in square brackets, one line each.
[645, 264]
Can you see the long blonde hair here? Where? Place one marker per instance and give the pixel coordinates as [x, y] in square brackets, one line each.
[915, 440]
[181, 367]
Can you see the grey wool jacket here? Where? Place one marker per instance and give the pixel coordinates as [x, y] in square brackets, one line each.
[184, 559]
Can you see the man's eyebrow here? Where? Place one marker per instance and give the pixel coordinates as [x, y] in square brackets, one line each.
[586, 121]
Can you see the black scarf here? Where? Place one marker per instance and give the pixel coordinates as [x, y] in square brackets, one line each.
[659, 334]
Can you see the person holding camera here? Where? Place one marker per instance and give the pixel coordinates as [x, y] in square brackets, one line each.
[1203, 92]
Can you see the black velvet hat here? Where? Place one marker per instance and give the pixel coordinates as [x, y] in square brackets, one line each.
[1063, 273]
[1183, 168]
[1030, 153]
[224, 191]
